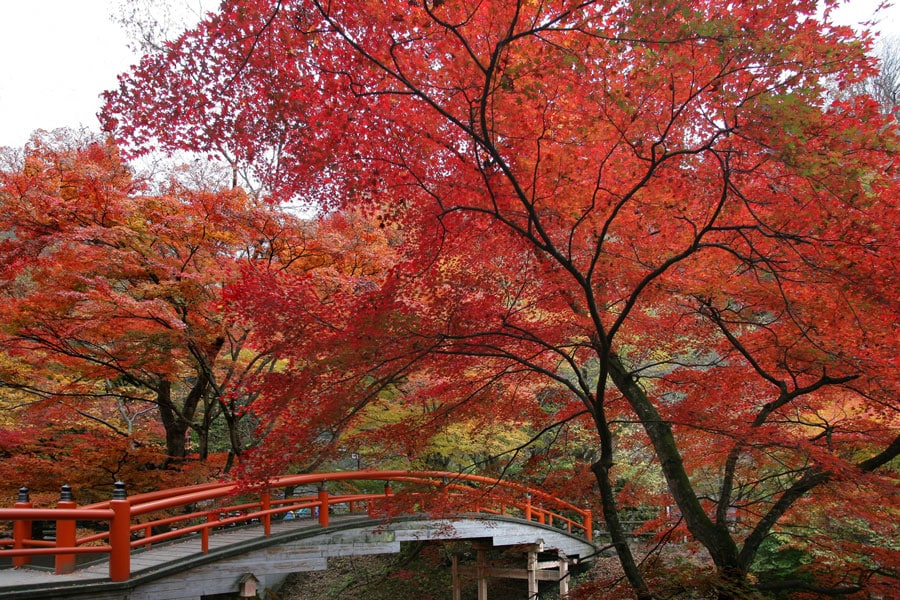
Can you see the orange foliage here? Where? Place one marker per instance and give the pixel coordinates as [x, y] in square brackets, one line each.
[643, 212]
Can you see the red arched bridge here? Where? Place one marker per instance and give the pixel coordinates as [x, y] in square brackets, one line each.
[105, 548]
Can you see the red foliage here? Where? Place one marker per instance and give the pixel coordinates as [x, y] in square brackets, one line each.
[642, 211]
[112, 305]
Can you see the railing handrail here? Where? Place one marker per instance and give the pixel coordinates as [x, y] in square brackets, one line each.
[53, 514]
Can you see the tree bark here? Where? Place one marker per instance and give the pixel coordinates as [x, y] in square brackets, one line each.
[715, 537]
[617, 534]
[175, 426]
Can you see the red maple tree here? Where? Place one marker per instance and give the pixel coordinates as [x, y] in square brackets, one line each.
[112, 296]
[649, 212]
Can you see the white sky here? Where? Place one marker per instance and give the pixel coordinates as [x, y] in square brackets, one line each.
[57, 56]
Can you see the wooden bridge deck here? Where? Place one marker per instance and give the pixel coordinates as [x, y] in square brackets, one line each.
[160, 558]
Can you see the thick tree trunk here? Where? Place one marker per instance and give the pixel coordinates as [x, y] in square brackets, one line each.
[715, 537]
[205, 390]
[601, 470]
[617, 531]
[234, 435]
[203, 432]
[203, 442]
[175, 426]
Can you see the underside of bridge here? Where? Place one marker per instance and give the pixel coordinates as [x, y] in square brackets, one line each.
[530, 562]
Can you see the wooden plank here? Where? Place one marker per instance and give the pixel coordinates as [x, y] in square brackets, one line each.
[563, 577]
[531, 568]
[508, 573]
[454, 578]
[481, 572]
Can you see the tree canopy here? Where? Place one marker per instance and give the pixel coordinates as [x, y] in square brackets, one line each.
[112, 296]
[645, 218]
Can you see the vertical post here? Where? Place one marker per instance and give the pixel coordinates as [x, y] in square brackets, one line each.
[323, 505]
[454, 577]
[372, 504]
[266, 502]
[65, 533]
[527, 507]
[211, 517]
[21, 528]
[563, 576]
[481, 573]
[532, 574]
[388, 491]
[445, 496]
[588, 526]
[120, 535]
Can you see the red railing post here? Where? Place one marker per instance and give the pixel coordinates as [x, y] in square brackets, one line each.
[323, 505]
[266, 502]
[371, 503]
[527, 506]
[588, 525]
[211, 517]
[65, 533]
[21, 528]
[120, 535]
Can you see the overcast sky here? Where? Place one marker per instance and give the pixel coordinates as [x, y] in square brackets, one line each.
[57, 56]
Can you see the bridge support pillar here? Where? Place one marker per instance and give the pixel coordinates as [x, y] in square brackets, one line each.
[481, 572]
[531, 568]
[454, 578]
[535, 570]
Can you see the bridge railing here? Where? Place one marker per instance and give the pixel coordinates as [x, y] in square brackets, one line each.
[139, 521]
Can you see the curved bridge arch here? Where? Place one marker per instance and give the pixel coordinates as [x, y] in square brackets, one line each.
[201, 523]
